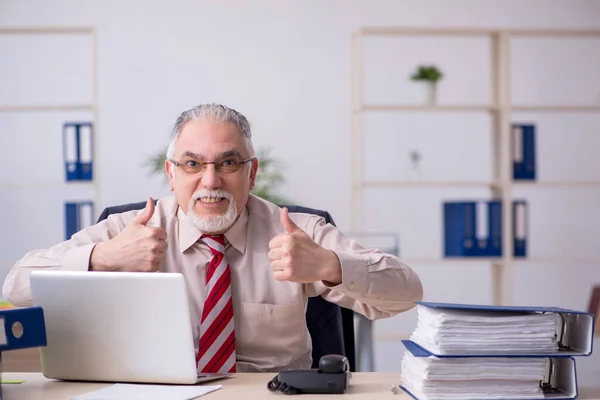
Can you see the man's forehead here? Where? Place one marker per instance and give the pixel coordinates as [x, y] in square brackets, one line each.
[207, 136]
[224, 154]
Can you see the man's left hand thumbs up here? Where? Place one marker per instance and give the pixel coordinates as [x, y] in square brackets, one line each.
[288, 224]
[296, 257]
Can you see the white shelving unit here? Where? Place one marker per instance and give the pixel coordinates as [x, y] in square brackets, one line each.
[32, 106]
[36, 107]
[500, 109]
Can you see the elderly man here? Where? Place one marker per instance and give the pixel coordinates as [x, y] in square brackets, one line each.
[249, 265]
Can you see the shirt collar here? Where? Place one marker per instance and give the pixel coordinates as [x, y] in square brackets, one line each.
[235, 235]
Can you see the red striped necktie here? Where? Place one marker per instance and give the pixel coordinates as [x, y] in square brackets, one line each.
[216, 347]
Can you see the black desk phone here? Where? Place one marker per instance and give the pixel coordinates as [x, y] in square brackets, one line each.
[332, 377]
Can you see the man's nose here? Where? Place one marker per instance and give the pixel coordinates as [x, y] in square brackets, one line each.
[210, 177]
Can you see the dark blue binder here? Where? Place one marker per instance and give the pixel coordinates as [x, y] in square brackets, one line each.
[459, 229]
[494, 238]
[520, 227]
[22, 328]
[523, 136]
[78, 215]
[461, 221]
[78, 151]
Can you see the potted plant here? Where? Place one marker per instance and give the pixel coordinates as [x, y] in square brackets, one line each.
[429, 75]
[268, 178]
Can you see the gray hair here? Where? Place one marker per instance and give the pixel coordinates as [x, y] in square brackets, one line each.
[215, 112]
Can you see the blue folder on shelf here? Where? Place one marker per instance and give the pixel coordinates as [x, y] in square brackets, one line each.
[22, 328]
[576, 337]
[561, 382]
[460, 229]
[78, 151]
[78, 215]
[523, 137]
[474, 228]
[520, 228]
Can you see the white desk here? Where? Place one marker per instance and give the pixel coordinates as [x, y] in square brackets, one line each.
[364, 385]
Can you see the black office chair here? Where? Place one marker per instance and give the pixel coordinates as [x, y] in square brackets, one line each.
[331, 327]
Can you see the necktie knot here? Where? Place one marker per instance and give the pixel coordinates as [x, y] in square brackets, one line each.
[216, 243]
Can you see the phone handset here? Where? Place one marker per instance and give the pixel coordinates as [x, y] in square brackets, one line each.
[332, 377]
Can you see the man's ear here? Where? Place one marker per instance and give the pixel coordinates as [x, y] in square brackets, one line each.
[253, 171]
[170, 171]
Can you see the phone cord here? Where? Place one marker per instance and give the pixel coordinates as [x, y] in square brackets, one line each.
[275, 385]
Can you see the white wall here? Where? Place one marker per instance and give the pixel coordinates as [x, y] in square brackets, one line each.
[286, 66]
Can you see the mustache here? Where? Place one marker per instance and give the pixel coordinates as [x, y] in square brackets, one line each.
[198, 194]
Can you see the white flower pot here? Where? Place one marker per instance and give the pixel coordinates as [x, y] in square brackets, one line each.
[425, 93]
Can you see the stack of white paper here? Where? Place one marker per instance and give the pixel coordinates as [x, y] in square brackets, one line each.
[478, 378]
[470, 354]
[444, 331]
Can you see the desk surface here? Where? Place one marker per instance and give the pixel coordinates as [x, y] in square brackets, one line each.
[364, 385]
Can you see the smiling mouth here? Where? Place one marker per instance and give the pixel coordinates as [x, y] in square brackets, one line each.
[210, 200]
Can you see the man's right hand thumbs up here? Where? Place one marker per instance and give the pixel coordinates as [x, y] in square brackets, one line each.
[136, 248]
[146, 214]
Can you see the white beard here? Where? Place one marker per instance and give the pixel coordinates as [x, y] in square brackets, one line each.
[212, 224]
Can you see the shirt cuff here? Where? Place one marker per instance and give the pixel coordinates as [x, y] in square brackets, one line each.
[78, 259]
[354, 274]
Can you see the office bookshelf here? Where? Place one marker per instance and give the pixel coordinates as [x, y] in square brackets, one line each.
[31, 107]
[500, 110]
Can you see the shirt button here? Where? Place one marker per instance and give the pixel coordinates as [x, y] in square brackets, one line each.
[351, 287]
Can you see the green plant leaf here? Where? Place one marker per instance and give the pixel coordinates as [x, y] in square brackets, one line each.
[428, 73]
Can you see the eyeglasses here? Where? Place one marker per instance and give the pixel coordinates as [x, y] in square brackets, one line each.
[225, 166]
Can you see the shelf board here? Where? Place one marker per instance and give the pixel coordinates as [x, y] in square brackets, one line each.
[425, 184]
[426, 108]
[476, 108]
[47, 185]
[475, 184]
[373, 30]
[557, 108]
[46, 107]
[376, 30]
[515, 260]
[41, 30]
[559, 260]
[554, 32]
[556, 184]
[447, 260]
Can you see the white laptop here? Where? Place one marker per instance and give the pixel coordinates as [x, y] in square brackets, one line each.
[116, 327]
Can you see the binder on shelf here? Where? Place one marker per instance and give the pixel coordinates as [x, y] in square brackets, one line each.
[78, 215]
[460, 229]
[559, 382]
[523, 141]
[575, 339]
[78, 151]
[490, 244]
[520, 226]
[474, 228]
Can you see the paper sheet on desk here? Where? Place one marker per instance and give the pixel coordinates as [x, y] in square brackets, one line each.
[122, 391]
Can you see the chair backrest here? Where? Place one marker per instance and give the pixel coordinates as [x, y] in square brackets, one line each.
[331, 327]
